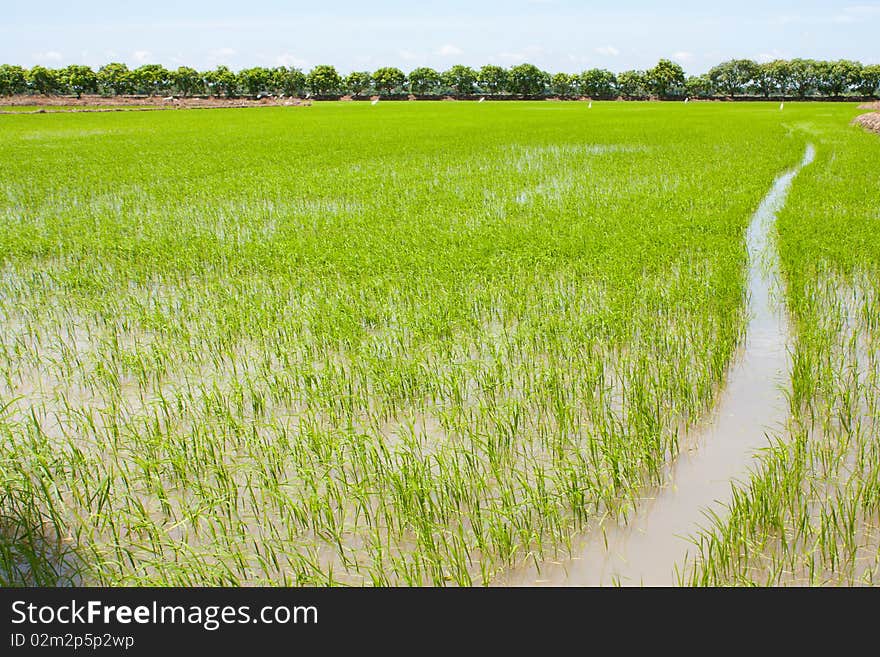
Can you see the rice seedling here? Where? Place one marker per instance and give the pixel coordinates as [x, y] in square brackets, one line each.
[415, 344]
[809, 515]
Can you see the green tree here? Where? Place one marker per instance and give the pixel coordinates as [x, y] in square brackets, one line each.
[562, 84]
[388, 79]
[460, 79]
[665, 79]
[764, 81]
[527, 80]
[222, 81]
[423, 80]
[187, 80]
[79, 79]
[492, 79]
[44, 80]
[779, 72]
[13, 80]
[255, 80]
[802, 77]
[869, 81]
[598, 83]
[288, 81]
[358, 83]
[748, 72]
[323, 80]
[733, 76]
[631, 84]
[836, 78]
[850, 73]
[151, 79]
[115, 78]
[699, 86]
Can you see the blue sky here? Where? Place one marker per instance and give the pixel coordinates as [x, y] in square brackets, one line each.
[557, 35]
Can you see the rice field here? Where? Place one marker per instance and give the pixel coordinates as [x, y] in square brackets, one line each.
[7, 109]
[810, 515]
[420, 344]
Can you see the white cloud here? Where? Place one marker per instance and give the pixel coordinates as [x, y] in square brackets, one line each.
[364, 62]
[764, 57]
[407, 55]
[608, 51]
[220, 56]
[48, 56]
[286, 59]
[579, 60]
[787, 19]
[846, 15]
[448, 50]
[525, 55]
[682, 56]
[142, 56]
[857, 13]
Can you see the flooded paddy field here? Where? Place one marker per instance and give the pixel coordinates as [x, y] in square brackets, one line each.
[444, 345]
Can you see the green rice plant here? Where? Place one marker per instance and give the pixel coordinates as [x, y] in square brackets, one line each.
[809, 514]
[405, 344]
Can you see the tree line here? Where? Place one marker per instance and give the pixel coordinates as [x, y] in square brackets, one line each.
[796, 78]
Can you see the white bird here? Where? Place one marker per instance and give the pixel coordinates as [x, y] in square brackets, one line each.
[309, 95]
[590, 106]
[481, 99]
[686, 99]
[375, 101]
[781, 105]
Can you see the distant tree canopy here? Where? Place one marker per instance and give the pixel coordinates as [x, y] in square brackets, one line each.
[631, 84]
[424, 81]
[666, 79]
[598, 83]
[44, 80]
[563, 84]
[358, 83]
[764, 79]
[778, 73]
[222, 81]
[869, 84]
[795, 78]
[255, 80]
[79, 79]
[151, 79]
[492, 79]
[388, 79]
[460, 79]
[698, 86]
[731, 78]
[288, 81]
[323, 80]
[835, 78]
[187, 80]
[115, 78]
[13, 80]
[527, 80]
[802, 77]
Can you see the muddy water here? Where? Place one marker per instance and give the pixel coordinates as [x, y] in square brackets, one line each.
[655, 542]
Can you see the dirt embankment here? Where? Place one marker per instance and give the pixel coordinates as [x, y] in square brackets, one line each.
[111, 103]
[869, 121]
